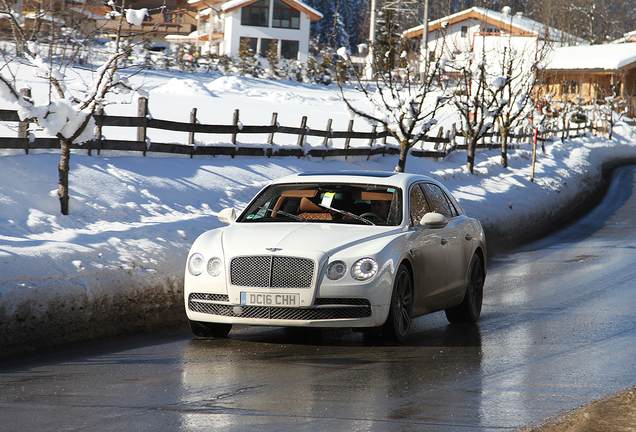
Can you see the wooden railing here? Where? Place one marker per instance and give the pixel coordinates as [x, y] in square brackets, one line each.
[444, 143]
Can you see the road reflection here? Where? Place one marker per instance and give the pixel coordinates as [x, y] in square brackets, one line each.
[274, 376]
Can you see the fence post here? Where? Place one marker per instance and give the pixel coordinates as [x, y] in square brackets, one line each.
[385, 130]
[99, 112]
[325, 142]
[235, 121]
[142, 111]
[448, 139]
[303, 126]
[193, 120]
[270, 138]
[440, 134]
[23, 126]
[350, 129]
[453, 143]
[372, 140]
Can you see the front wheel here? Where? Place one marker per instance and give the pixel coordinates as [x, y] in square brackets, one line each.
[469, 309]
[398, 324]
[208, 330]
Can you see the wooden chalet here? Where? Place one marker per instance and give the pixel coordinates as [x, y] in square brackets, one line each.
[590, 74]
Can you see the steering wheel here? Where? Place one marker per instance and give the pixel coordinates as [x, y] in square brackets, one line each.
[373, 215]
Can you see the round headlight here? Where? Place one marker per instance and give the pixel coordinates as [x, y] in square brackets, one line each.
[336, 270]
[196, 264]
[364, 269]
[215, 266]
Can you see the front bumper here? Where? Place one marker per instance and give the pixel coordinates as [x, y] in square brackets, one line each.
[324, 312]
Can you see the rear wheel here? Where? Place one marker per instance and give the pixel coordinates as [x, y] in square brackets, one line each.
[469, 309]
[398, 324]
[207, 330]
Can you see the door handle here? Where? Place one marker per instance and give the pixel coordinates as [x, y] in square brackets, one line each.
[444, 241]
[469, 237]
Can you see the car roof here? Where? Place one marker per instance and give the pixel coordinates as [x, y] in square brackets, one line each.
[364, 177]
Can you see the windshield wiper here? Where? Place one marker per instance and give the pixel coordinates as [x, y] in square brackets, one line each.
[284, 213]
[346, 213]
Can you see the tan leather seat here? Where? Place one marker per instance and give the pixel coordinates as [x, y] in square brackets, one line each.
[310, 211]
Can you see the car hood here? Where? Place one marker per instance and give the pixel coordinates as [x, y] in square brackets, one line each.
[256, 238]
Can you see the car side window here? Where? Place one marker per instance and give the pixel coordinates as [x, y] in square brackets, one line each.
[418, 205]
[438, 200]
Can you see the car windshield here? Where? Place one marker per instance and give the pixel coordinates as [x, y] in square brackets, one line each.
[327, 203]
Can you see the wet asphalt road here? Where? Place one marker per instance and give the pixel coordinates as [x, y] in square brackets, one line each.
[558, 330]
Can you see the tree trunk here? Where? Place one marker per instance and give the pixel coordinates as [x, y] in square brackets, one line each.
[63, 169]
[504, 147]
[470, 153]
[404, 152]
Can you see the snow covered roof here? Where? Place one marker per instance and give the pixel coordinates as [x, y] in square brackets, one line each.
[93, 12]
[609, 57]
[504, 20]
[314, 15]
[627, 37]
[204, 3]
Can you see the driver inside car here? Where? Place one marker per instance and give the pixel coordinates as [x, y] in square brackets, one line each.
[381, 207]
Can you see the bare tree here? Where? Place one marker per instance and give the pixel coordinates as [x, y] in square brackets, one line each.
[403, 100]
[478, 97]
[518, 61]
[66, 115]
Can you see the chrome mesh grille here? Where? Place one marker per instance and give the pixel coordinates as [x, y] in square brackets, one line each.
[271, 272]
[328, 309]
[251, 271]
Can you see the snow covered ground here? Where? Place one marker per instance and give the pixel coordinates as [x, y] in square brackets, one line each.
[117, 260]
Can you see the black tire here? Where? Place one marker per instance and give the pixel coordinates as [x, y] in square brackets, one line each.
[209, 330]
[398, 323]
[469, 309]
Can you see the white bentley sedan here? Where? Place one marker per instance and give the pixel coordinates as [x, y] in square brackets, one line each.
[367, 250]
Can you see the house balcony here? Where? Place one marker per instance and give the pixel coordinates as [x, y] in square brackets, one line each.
[211, 32]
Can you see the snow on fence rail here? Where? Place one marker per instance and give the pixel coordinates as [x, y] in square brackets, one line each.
[443, 144]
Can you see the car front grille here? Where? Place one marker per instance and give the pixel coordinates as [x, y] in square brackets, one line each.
[271, 272]
[323, 308]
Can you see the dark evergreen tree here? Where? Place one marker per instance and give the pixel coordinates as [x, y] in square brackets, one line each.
[343, 22]
[386, 47]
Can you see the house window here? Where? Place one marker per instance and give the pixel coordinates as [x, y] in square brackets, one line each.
[574, 87]
[249, 44]
[570, 87]
[289, 49]
[256, 14]
[285, 16]
[267, 44]
[173, 18]
[464, 31]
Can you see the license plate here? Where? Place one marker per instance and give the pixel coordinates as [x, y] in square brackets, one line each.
[266, 299]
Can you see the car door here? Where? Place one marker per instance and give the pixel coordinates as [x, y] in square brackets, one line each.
[456, 247]
[429, 254]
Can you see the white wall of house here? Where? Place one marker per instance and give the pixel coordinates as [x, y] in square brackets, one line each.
[234, 31]
[460, 36]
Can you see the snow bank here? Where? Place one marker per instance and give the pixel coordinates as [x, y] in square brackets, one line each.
[116, 263]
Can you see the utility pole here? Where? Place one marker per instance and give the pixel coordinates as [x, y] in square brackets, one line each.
[424, 43]
[368, 72]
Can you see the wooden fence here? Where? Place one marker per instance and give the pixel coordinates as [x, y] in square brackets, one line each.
[444, 143]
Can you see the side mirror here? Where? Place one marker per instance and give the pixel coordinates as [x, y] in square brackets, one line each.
[434, 220]
[227, 216]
